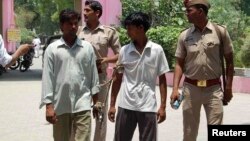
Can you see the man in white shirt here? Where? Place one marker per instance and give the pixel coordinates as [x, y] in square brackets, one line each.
[7, 60]
[143, 61]
[37, 43]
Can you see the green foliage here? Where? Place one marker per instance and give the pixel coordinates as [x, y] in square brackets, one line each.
[162, 12]
[45, 14]
[236, 22]
[245, 52]
[21, 14]
[165, 36]
[123, 38]
[26, 36]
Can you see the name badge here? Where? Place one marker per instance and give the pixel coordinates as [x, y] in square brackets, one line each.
[201, 83]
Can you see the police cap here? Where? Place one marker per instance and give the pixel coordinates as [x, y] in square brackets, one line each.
[194, 2]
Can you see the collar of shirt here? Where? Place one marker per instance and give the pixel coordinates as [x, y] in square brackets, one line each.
[133, 49]
[209, 26]
[78, 43]
[99, 27]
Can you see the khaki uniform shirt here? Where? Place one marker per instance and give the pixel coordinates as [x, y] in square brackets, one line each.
[201, 51]
[101, 39]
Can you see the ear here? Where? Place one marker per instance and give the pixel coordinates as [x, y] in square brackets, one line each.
[97, 13]
[201, 10]
[141, 27]
[61, 27]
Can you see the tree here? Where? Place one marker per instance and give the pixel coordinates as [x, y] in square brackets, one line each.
[45, 14]
[162, 12]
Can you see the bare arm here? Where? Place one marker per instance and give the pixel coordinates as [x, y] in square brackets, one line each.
[229, 76]
[50, 113]
[117, 79]
[111, 59]
[161, 115]
[23, 49]
[177, 77]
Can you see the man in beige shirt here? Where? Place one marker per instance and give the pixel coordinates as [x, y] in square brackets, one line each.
[198, 58]
[102, 38]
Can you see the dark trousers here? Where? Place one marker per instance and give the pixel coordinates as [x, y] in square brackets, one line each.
[126, 122]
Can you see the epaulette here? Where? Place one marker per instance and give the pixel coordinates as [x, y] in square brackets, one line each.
[224, 26]
[109, 27]
[184, 29]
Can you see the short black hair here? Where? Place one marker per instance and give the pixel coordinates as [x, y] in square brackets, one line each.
[138, 19]
[203, 7]
[67, 14]
[94, 5]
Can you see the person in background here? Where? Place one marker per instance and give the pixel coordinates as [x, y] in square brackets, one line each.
[37, 43]
[143, 61]
[69, 82]
[198, 58]
[102, 38]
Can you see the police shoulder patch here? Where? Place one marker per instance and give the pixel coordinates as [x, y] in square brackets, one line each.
[109, 27]
[224, 26]
[184, 29]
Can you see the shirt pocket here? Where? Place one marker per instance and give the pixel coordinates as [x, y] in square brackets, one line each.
[102, 42]
[131, 65]
[210, 44]
[191, 46]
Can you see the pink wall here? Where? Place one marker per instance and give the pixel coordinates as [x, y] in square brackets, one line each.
[111, 11]
[8, 21]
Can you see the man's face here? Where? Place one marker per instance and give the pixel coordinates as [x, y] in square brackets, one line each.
[70, 27]
[89, 14]
[133, 31]
[192, 14]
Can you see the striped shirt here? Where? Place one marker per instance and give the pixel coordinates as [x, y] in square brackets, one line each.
[70, 76]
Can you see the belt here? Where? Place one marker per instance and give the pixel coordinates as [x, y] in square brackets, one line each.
[203, 83]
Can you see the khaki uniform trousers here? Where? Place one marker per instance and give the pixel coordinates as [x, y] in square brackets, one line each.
[101, 127]
[73, 127]
[194, 97]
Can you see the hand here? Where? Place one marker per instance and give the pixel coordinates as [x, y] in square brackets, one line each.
[161, 115]
[96, 108]
[228, 95]
[174, 96]
[104, 60]
[111, 114]
[99, 65]
[24, 48]
[50, 114]
[95, 112]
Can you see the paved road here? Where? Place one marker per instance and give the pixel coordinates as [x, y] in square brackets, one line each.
[22, 120]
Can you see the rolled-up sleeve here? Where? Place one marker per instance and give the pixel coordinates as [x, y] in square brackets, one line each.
[114, 42]
[48, 78]
[5, 58]
[95, 87]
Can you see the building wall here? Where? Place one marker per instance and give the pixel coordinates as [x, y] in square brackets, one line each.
[7, 22]
[1, 17]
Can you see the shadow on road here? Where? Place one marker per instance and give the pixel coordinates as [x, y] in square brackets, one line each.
[16, 75]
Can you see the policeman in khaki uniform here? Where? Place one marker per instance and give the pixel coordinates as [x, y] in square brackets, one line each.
[197, 57]
[101, 37]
